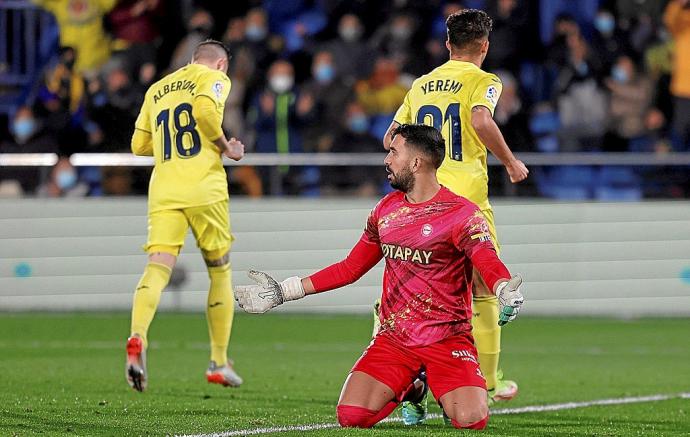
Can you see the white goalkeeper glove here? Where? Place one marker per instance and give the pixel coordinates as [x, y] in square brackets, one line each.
[268, 294]
[510, 299]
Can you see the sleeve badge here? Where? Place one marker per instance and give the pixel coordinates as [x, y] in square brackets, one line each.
[218, 89]
[492, 95]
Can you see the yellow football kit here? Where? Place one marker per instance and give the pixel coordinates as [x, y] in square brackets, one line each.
[188, 173]
[444, 99]
[179, 120]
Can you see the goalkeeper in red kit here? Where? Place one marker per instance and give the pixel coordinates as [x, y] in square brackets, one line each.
[431, 240]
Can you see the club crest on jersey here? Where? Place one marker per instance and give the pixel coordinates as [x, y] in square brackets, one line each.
[427, 229]
[218, 88]
[492, 94]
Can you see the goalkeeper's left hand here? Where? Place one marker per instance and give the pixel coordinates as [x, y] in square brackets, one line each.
[268, 294]
[510, 299]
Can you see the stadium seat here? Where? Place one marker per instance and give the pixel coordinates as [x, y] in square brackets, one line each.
[619, 177]
[544, 123]
[567, 182]
[547, 143]
[379, 124]
[609, 194]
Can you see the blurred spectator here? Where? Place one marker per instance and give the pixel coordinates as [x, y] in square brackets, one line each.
[63, 182]
[29, 135]
[61, 103]
[278, 114]
[510, 19]
[630, 101]
[353, 58]
[396, 40]
[510, 116]
[81, 27]
[199, 28]
[581, 102]
[609, 40]
[134, 24]
[354, 137]
[382, 93]
[330, 97]
[677, 20]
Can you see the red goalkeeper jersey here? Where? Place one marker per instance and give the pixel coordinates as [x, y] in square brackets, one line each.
[430, 249]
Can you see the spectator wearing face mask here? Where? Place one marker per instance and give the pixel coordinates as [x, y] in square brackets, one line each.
[199, 28]
[27, 135]
[64, 182]
[353, 57]
[278, 113]
[609, 40]
[354, 137]
[330, 97]
[630, 101]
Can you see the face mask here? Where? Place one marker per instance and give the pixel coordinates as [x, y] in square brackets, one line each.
[324, 73]
[23, 129]
[350, 33]
[605, 24]
[358, 124]
[66, 179]
[401, 33]
[255, 32]
[619, 74]
[281, 83]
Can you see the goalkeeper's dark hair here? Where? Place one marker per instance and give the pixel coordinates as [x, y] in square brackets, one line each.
[468, 28]
[425, 139]
[211, 49]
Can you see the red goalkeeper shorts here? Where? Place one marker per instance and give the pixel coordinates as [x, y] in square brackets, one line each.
[450, 363]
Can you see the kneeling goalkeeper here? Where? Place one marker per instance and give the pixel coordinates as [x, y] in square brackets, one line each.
[431, 240]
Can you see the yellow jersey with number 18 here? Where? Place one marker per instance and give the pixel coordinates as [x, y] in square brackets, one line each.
[444, 99]
[188, 168]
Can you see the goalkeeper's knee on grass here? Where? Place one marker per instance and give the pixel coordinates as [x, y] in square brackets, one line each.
[350, 416]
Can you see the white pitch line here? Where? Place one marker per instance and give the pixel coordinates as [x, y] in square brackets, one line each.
[500, 411]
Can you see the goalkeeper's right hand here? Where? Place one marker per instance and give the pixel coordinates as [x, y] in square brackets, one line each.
[268, 294]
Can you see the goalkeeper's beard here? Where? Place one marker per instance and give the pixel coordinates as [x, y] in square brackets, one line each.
[402, 180]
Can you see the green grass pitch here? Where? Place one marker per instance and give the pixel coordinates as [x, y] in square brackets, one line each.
[64, 374]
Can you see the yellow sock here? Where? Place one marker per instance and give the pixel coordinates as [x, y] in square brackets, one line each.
[487, 336]
[147, 296]
[219, 312]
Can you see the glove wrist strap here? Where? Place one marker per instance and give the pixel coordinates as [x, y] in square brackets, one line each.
[292, 288]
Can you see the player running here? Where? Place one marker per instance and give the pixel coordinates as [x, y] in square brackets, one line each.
[431, 240]
[180, 126]
[458, 99]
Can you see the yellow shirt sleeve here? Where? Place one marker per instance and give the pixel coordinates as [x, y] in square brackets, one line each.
[404, 114]
[487, 92]
[209, 103]
[142, 139]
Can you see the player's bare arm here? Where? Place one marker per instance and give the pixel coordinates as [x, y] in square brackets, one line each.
[388, 137]
[492, 138]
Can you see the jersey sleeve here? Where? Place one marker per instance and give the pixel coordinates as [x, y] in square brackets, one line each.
[216, 86]
[487, 92]
[404, 112]
[142, 139]
[473, 237]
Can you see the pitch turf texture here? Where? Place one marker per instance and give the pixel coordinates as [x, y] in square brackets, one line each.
[64, 374]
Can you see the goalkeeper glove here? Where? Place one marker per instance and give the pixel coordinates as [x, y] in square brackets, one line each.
[268, 294]
[510, 299]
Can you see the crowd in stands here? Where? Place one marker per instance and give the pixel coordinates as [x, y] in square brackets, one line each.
[327, 75]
